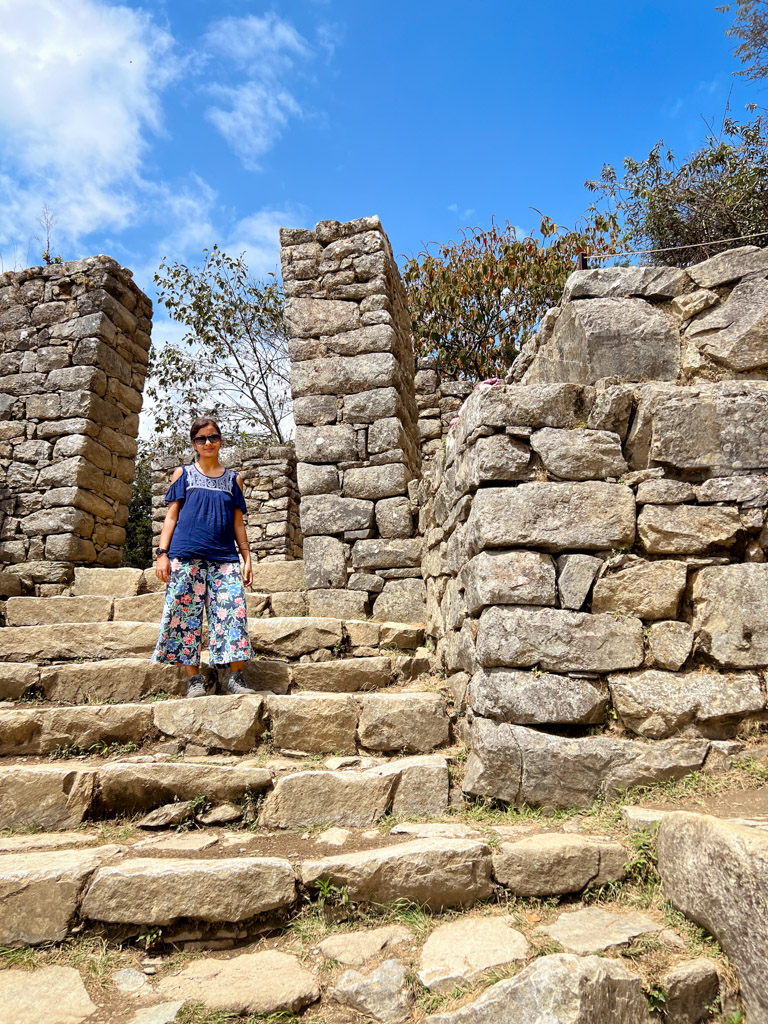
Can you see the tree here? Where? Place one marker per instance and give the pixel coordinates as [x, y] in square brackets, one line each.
[137, 548]
[750, 26]
[719, 192]
[232, 361]
[475, 302]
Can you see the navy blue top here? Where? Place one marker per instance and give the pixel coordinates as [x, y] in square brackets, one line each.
[206, 523]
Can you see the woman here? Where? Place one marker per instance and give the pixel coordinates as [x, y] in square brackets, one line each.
[198, 561]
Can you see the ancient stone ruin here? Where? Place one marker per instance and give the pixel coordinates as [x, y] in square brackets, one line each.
[524, 610]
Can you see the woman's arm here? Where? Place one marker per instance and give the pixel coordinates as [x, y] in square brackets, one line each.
[242, 541]
[163, 566]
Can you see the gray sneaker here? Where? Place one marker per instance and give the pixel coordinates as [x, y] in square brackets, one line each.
[236, 685]
[196, 686]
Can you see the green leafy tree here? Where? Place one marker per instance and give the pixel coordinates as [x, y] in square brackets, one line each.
[475, 302]
[719, 192]
[232, 361]
[750, 27]
[137, 549]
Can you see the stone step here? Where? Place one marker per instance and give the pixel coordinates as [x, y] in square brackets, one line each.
[289, 637]
[315, 723]
[64, 795]
[227, 878]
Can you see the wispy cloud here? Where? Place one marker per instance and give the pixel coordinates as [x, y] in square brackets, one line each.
[462, 214]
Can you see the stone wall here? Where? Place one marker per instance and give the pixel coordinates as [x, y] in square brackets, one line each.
[439, 398]
[75, 338]
[270, 491]
[357, 442]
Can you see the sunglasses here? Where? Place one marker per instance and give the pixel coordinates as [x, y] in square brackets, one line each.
[206, 438]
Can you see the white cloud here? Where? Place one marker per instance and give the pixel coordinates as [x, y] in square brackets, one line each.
[252, 114]
[80, 91]
[258, 237]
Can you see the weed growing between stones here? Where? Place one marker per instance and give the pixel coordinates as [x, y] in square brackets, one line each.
[91, 954]
[102, 749]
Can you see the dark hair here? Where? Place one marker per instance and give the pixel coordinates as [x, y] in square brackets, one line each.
[199, 423]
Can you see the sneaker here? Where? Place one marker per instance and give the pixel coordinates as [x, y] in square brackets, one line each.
[236, 685]
[196, 686]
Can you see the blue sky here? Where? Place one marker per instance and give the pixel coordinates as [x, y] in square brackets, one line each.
[156, 129]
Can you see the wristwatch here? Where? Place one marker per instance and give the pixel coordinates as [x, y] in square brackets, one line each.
[162, 551]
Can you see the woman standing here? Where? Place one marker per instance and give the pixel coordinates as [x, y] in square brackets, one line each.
[198, 561]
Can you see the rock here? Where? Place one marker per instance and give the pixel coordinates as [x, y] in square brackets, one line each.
[669, 644]
[382, 994]
[313, 479]
[316, 724]
[691, 987]
[520, 765]
[158, 892]
[432, 872]
[435, 830]
[312, 798]
[386, 554]
[421, 784]
[642, 819]
[716, 873]
[458, 952]
[543, 405]
[398, 634]
[340, 604]
[168, 815]
[579, 454]
[576, 574]
[16, 679]
[413, 722]
[491, 459]
[625, 282]
[401, 601]
[552, 516]
[265, 983]
[508, 577]
[558, 641]
[330, 513]
[690, 304]
[336, 837]
[354, 948]
[40, 892]
[593, 929]
[560, 989]
[730, 603]
[344, 676]
[394, 518]
[226, 723]
[44, 841]
[376, 482]
[161, 1013]
[528, 698]
[129, 981]
[659, 704]
[56, 995]
[63, 643]
[728, 266]
[277, 577]
[109, 582]
[117, 679]
[144, 608]
[324, 562]
[624, 338]
[553, 864]
[612, 409]
[649, 590]
[44, 796]
[35, 611]
[686, 529]
[347, 375]
[290, 638]
[43, 730]
[750, 491]
[126, 788]
[664, 492]
[326, 444]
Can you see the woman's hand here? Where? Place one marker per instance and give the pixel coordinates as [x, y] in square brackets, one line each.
[247, 570]
[163, 568]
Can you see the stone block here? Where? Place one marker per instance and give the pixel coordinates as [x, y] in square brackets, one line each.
[664, 492]
[626, 282]
[43, 730]
[111, 582]
[412, 722]
[62, 643]
[649, 590]
[276, 577]
[575, 576]
[325, 564]
[315, 410]
[317, 479]
[64, 547]
[16, 679]
[492, 459]
[552, 516]
[345, 799]
[554, 864]
[290, 604]
[422, 784]
[401, 601]
[386, 554]
[292, 637]
[344, 676]
[749, 491]
[340, 604]
[507, 577]
[376, 482]
[223, 723]
[323, 514]
[130, 788]
[35, 611]
[326, 444]
[730, 605]
[687, 529]
[344, 375]
[394, 518]
[369, 406]
[669, 644]
[45, 796]
[558, 641]
[74, 472]
[579, 454]
[321, 724]
[729, 266]
[459, 952]
[308, 318]
[735, 334]
[527, 698]
[144, 608]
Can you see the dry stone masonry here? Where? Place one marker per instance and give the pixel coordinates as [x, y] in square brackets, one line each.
[75, 339]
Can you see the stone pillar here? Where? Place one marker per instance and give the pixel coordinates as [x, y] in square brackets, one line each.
[352, 376]
[75, 339]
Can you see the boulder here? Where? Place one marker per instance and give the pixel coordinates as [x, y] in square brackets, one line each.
[44, 796]
[563, 988]
[44, 730]
[659, 704]
[716, 873]
[729, 266]
[53, 994]
[649, 590]
[421, 787]
[554, 863]
[158, 892]
[520, 765]
[348, 799]
[593, 929]
[292, 637]
[579, 454]
[508, 577]
[553, 516]
[383, 994]
[354, 948]
[575, 576]
[730, 608]
[412, 722]
[686, 529]
[458, 952]
[131, 787]
[226, 723]
[40, 892]
[432, 872]
[691, 987]
[322, 724]
[264, 983]
[558, 641]
[626, 282]
[541, 698]
[344, 675]
[492, 459]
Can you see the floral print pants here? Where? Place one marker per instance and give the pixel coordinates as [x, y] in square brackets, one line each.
[217, 587]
